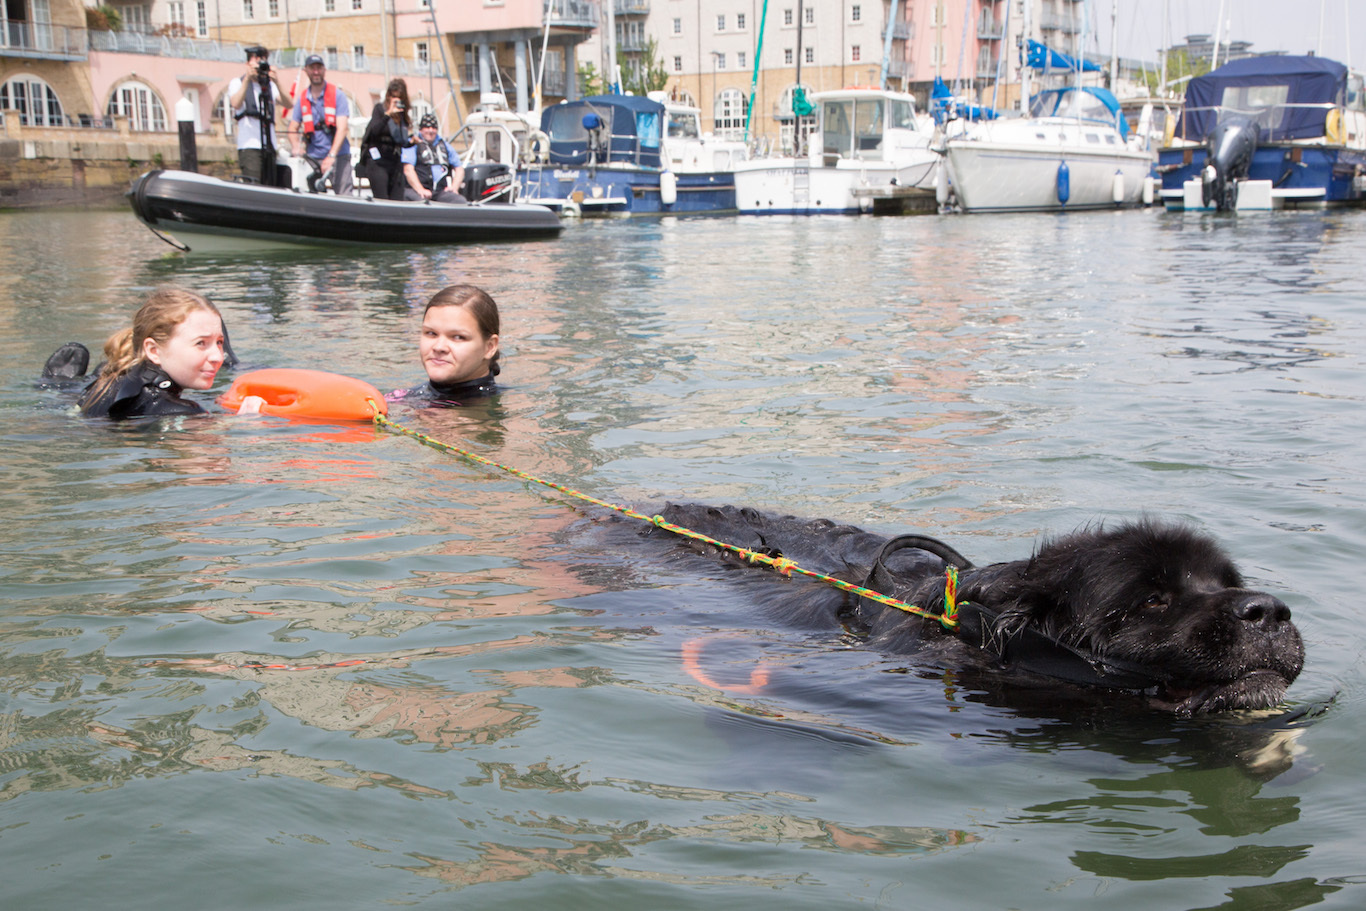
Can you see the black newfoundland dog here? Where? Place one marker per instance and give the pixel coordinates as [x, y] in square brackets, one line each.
[1147, 607]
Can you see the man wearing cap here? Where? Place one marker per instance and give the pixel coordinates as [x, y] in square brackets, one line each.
[252, 97]
[317, 125]
[431, 167]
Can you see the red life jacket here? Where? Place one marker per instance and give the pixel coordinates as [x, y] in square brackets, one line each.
[329, 109]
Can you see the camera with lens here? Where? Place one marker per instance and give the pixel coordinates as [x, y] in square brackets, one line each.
[263, 68]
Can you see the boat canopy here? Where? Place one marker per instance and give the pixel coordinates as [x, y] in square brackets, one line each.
[623, 128]
[1042, 57]
[1288, 95]
[1087, 102]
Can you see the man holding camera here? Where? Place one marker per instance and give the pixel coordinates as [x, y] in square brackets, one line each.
[253, 97]
[317, 126]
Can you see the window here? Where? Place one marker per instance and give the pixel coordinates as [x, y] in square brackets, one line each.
[855, 54]
[331, 55]
[248, 11]
[175, 12]
[357, 4]
[678, 64]
[201, 13]
[329, 6]
[721, 22]
[855, 13]
[739, 60]
[136, 18]
[33, 100]
[678, 26]
[358, 56]
[720, 60]
[810, 54]
[273, 9]
[787, 56]
[142, 107]
[422, 55]
[740, 21]
[787, 17]
[810, 15]
[730, 114]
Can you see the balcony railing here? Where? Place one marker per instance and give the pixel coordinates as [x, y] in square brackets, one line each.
[631, 7]
[989, 30]
[29, 39]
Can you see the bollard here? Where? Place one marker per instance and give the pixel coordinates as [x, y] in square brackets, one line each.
[184, 115]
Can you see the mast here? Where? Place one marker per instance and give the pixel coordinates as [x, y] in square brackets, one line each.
[610, 73]
[796, 118]
[754, 82]
[886, 47]
[1025, 23]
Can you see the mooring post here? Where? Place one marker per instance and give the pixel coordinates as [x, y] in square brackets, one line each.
[184, 115]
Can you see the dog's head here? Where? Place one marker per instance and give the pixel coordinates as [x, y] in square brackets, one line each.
[1165, 598]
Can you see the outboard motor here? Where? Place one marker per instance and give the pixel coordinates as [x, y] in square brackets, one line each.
[1228, 159]
[491, 182]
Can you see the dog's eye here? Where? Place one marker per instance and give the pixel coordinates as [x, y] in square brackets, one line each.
[1156, 600]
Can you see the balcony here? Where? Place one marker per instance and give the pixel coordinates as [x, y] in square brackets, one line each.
[573, 13]
[902, 31]
[40, 41]
[989, 29]
[631, 7]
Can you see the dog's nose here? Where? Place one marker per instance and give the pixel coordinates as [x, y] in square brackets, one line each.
[1261, 609]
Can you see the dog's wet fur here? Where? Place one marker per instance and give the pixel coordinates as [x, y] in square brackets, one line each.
[1160, 596]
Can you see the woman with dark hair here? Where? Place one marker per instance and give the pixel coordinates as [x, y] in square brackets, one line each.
[388, 133]
[458, 347]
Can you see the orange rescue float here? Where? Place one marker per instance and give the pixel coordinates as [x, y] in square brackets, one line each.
[293, 392]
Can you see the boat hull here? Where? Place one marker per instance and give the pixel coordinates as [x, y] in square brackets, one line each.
[219, 212]
[618, 191]
[792, 187]
[1301, 176]
[1003, 177]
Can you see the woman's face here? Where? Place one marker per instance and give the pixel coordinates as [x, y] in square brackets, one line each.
[452, 349]
[194, 352]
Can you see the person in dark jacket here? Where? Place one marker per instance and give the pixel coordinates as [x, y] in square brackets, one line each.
[388, 133]
[176, 343]
[458, 347]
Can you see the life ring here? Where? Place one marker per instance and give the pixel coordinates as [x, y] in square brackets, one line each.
[1332, 126]
[295, 392]
[538, 146]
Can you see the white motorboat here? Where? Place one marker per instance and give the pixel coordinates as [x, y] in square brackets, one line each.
[870, 155]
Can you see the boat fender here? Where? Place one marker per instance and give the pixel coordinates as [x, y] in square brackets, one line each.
[1332, 126]
[668, 188]
[1117, 188]
[1064, 183]
[941, 183]
[538, 146]
[1149, 190]
[295, 392]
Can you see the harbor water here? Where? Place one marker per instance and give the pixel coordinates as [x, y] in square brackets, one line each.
[253, 663]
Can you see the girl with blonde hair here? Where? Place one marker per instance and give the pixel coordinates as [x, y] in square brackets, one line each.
[176, 343]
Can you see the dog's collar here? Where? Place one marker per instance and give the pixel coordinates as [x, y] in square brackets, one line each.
[1030, 650]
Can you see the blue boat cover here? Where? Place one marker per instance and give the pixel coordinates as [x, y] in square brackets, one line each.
[1253, 84]
[633, 123]
[944, 106]
[1042, 57]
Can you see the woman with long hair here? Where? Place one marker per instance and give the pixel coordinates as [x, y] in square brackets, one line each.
[388, 133]
[458, 347]
[176, 342]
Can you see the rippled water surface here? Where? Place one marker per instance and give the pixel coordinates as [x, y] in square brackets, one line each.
[251, 663]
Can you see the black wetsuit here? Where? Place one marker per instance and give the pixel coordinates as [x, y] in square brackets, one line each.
[446, 395]
[144, 391]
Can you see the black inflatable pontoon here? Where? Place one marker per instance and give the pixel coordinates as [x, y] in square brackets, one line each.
[226, 213]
